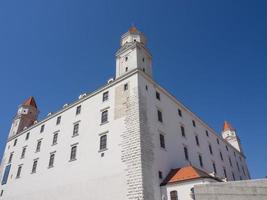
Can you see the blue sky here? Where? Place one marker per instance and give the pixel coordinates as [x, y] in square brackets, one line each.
[210, 54]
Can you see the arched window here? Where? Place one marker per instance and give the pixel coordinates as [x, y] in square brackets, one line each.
[103, 142]
[174, 195]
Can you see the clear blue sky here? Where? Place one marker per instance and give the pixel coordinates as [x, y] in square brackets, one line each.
[212, 55]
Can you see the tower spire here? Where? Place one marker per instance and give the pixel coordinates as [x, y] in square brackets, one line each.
[30, 102]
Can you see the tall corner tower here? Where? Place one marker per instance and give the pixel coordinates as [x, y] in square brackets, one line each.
[25, 117]
[229, 134]
[133, 53]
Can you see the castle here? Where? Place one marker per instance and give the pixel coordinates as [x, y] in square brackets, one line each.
[130, 139]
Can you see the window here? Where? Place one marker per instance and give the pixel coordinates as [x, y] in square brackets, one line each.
[10, 157]
[200, 160]
[6, 174]
[58, 120]
[221, 155]
[243, 171]
[27, 136]
[2, 192]
[226, 147]
[103, 142]
[218, 142]
[230, 161]
[197, 140]
[105, 95]
[75, 129]
[125, 87]
[233, 175]
[42, 128]
[237, 166]
[73, 153]
[160, 119]
[210, 148]
[182, 131]
[214, 167]
[104, 117]
[51, 160]
[173, 195]
[55, 139]
[23, 152]
[19, 171]
[180, 112]
[78, 109]
[126, 69]
[38, 147]
[160, 175]
[126, 58]
[15, 142]
[34, 166]
[143, 59]
[224, 171]
[207, 133]
[186, 153]
[162, 141]
[158, 95]
[193, 123]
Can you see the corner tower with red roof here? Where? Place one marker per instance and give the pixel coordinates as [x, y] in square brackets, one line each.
[25, 117]
[229, 134]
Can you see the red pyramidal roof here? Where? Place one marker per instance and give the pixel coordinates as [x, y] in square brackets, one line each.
[227, 126]
[30, 102]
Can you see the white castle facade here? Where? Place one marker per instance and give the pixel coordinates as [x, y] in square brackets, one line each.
[120, 142]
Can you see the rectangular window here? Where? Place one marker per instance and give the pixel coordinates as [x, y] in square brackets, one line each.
[34, 166]
[180, 112]
[15, 142]
[186, 155]
[174, 195]
[214, 167]
[10, 157]
[207, 133]
[230, 161]
[42, 128]
[125, 87]
[160, 175]
[237, 166]
[197, 140]
[200, 160]
[158, 95]
[193, 123]
[162, 141]
[182, 131]
[19, 171]
[27, 136]
[23, 152]
[210, 148]
[160, 118]
[226, 147]
[105, 96]
[225, 174]
[73, 153]
[233, 176]
[243, 171]
[1, 194]
[103, 142]
[51, 160]
[6, 174]
[221, 155]
[104, 116]
[58, 120]
[75, 129]
[78, 109]
[218, 141]
[55, 136]
[38, 147]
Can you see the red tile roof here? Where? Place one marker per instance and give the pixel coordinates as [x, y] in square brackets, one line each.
[185, 174]
[30, 102]
[133, 29]
[227, 126]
